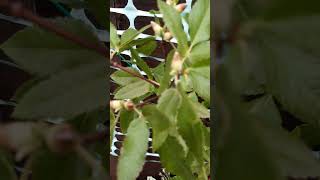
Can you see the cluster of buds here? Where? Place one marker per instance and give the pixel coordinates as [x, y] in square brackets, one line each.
[177, 64]
[117, 105]
[159, 31]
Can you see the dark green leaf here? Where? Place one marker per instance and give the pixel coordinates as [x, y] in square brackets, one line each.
[141, 63]
[39, 51]
[65, 94]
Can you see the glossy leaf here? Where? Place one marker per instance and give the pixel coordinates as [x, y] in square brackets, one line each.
[134, 149]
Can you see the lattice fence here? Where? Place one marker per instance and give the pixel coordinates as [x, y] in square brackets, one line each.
[131, 12]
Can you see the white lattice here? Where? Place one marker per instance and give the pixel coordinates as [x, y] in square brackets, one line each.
[131, 12]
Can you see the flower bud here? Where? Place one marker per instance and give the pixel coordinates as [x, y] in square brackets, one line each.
[156, 28]
[169, 2]
[181, 7]
[116, 105]
[167, 36]
[176, 65]
[128, 105]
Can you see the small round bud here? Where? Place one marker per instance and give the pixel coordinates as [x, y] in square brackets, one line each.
[158, 30]
[128, 105]
[116, 105]
[176, 66]
[167, 36]
[181, 7]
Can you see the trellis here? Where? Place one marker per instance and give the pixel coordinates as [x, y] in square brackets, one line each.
[131, 12]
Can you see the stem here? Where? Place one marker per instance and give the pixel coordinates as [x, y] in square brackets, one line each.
[17, 9]
[173, 46]
[115, 64]
[146, 102]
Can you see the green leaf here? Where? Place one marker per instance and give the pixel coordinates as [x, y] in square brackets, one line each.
[172, 158]
[128, 36]
[199, 21]
[258, 125]
[51, 166]
[201, 110]
[133, 151]
[200, 54]
[200, 78]
[158, 72]
[290, 61]
[7, 168]
[123, 78]
[293, 158]
[41, 52]
[166, 79]
[141, 63]
[160, 123]
[285, 9]
[133, 90]
[126, 118]
[65, 94]
[147, 48]
[232, 148]
[190, 127]
[173, 20]
[169, 103]
[114, 38]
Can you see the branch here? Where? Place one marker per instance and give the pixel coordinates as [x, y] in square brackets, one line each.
[17, 9]
[117, 65]
[147, 101]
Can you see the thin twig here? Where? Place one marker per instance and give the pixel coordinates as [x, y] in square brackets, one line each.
[117, 65]
[147, 102]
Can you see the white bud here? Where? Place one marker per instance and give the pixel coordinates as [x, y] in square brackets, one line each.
[128, 105]
[169, 2]
[156, 28]
[116, 105]
[181, 7]
[167, 36]
[176, 65]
